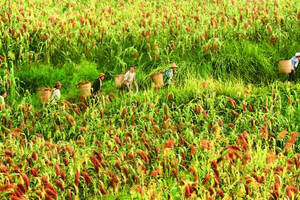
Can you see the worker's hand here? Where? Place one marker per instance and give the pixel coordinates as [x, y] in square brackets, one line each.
[128, 87]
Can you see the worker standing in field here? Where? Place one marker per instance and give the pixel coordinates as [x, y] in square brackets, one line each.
[97, 87]
[295, 62]
[97, 84]
[169, 74]
[129, 78]
[55, 93]
[3, 95]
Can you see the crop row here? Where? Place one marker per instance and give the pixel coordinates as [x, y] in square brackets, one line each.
[215, 146]
[41, 30]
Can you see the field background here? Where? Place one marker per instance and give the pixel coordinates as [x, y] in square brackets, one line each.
[71, 40]
[227, 128]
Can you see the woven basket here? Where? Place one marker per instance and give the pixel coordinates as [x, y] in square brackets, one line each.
[158, 79]
[44, 95]
[119, 80]
[285, 66]
[84, 89]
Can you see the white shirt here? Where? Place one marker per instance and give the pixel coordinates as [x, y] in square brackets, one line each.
[2, 102]
[295, 62]
[129, 77]
[55, 95]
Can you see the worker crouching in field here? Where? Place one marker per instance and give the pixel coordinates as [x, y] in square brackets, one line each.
[55, 97]
[295, 62]
[3, 95]
[169, 74]
[129, 78]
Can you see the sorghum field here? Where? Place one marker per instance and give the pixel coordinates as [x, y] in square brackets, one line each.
[228, 128]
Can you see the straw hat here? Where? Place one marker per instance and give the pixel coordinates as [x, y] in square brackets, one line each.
[297, 54]
[57, 84]
[101, 74]
[173, 65]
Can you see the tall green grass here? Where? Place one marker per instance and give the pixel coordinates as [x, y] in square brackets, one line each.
[242, 61]
[250, 61]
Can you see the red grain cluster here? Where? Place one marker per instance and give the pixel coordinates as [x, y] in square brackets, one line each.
[291, 141]
[86, 177]
[232, 102]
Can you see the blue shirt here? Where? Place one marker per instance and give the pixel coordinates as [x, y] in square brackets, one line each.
[295, 62]
[168, 75]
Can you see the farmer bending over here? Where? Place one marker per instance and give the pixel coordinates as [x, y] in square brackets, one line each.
[3, 95]
[168, 75]
[97, 85]
[130, 77]
[295, 62]
[55, 93]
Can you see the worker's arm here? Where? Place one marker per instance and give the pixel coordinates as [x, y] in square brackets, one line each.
[53, 97]
[294, 69]
[125, 81]
[127, 84]
[136, 85]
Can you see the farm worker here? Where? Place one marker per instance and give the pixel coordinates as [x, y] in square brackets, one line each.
[3, 95]
[168, 75]
[130, 78]
[295, 62]
[55, 93]
[97, 85]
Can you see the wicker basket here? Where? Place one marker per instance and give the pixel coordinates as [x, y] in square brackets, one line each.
[158, 79]
[44, 95]
[84, 89]
[119, 80]
[285, 66]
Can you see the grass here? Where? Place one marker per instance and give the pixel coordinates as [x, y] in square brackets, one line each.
[92, 132]
[226, 129]
[252, 59]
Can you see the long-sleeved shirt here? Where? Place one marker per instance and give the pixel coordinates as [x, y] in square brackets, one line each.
[97, 85]
[55, 95]
[295, 62]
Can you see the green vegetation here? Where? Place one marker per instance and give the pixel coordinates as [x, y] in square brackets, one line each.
[224, 38]
[226, 129]
[158, 145]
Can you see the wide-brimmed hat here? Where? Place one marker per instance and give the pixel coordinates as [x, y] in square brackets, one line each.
[57, 83]
[297, 54]
[173, 65]
[101, 74]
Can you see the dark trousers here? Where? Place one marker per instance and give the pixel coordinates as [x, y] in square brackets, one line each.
[292, 76]
[96, 97]
[166, 85]
[123, 88]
